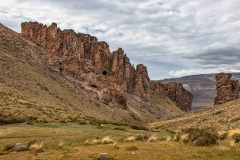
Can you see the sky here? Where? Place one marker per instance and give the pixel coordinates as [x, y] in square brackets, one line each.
[173, 38]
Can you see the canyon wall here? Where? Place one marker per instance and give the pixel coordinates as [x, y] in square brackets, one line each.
[227, 89]
[84, 58]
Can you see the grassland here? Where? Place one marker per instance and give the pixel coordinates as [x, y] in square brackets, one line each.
[220, 117]
[74, 135]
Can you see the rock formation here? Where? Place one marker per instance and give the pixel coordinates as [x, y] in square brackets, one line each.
[227, 89]
[142, 82]
[175, 92]
[181, 97]
[114, 97]
[84, 58]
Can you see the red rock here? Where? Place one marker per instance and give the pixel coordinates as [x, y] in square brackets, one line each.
[175, 92]
[64, 44]
[142, 81]
[82, 57]
[122, 71]
[114, 98]
[181, 97]
[227, 89]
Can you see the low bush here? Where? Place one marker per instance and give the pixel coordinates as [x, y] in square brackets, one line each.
[197, 136]
[142, 137]
[222, 134]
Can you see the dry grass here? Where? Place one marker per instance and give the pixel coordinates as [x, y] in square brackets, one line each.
[221, 117]
[130, 139]
[74, 136]
[234, 136]
[107, 140]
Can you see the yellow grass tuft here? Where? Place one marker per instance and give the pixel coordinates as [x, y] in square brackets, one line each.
[61, 144]
[153, 138]
[96, 141]
[36, 146]
[130, 139]
[107, 140]
[234, 136]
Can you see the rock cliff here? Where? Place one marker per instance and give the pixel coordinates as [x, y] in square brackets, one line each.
[179, 95]
[84, 58]
[227, 89]
[175, 92]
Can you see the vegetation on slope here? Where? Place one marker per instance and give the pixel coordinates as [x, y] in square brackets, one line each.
[220, 117]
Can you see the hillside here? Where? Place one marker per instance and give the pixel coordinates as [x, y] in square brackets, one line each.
[220, 117]
[32, 92]
[203, 88]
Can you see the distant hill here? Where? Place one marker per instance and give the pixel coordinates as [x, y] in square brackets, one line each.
[201, 86]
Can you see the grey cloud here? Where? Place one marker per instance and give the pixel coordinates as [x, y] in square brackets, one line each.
[184, 34]
[223, 56]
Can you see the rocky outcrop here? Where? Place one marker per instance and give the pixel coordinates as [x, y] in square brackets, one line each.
[142, 82]
[227, 89]
[181, 97]
[175, 92]
[84, 58]
[64, 46]
[122, 71]
[114, 98]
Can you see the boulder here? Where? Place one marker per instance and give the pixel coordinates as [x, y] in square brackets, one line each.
[18, 147]
[104, 156]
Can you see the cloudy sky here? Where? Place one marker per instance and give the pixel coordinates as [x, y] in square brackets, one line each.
[172, 38]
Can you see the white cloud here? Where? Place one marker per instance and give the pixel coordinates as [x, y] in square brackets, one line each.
[158, 33]
[187, 72]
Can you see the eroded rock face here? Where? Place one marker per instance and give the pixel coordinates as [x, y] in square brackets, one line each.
[83, 57]
[181, 97]
[142, 82]
[64, 45]
[175, 92]
[122, 71]
[227, 89]
[114, 98]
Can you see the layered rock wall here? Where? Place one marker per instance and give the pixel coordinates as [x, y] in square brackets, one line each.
[227, 89]
[83, 57]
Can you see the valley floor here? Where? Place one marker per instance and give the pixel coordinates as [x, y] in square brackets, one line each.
[73, 137]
